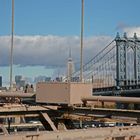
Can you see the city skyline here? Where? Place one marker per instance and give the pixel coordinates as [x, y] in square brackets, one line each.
[45, 29]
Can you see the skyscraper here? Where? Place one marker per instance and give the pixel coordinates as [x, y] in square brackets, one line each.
[20, 82]
[70, 66]
[0, 81]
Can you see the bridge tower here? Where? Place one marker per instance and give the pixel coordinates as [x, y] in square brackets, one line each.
[121, 55]
[123, 45]
[137, 58]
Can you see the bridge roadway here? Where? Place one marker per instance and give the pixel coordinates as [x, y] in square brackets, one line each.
[131, 90]
[129, 132]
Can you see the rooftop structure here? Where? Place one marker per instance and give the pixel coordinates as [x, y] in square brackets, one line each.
[62, 93]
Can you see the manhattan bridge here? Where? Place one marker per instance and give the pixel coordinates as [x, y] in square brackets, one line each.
[115, 70]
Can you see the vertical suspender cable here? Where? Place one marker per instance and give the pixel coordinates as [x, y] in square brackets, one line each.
[108, 71]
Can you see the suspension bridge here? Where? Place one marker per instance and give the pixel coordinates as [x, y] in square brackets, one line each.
[115, 69]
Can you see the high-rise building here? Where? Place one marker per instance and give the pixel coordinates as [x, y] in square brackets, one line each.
[18, 79]
[40, 78]
[47, 79]
[0, 81]
[70, 66]
[59, 79]
[20, 82]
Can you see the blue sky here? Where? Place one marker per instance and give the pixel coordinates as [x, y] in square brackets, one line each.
[62, 17]
[46, 29]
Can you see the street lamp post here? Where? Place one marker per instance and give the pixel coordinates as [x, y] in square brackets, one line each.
[12, 45]
[82, 30]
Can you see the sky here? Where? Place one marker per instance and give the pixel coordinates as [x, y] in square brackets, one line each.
[46, 29]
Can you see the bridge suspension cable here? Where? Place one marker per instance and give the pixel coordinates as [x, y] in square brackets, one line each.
[95, 63]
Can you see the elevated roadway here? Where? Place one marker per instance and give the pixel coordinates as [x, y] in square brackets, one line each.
[130, 91]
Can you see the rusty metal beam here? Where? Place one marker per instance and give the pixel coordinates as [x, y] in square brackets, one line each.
[102, 111]
[82, 134]
[17, 94]
[47, 120]
[112, 99]
[4, 129]
[15, 110]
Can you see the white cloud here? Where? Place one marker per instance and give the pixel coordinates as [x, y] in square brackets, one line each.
[49, 50]
[131, 30]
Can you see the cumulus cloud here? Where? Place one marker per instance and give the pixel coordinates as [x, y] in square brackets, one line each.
[131, 30]
[49, 51]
